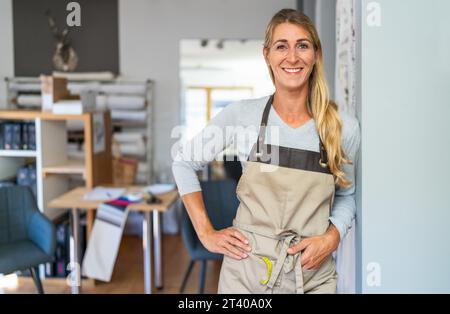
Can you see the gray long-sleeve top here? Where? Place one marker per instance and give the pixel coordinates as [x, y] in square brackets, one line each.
[237, 127]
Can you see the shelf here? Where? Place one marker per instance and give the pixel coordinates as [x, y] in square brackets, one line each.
[17, 153]
[129, 123]
[45, 115]
[71, 167]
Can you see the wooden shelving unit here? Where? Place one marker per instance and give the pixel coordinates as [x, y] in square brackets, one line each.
[71, 167]
[30, 86]
[52, 162]
[17, 153]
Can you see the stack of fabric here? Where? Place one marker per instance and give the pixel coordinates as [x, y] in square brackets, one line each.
[133, 144]
[126, 101]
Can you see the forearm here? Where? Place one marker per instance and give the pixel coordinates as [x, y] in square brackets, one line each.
[195, 207]
[333, 236]
[343, 213]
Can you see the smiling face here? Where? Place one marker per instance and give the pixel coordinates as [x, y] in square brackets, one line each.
[291, 56]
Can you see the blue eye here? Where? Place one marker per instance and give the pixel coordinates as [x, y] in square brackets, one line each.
[303, 46]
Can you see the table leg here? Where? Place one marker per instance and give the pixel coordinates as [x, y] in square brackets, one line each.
[146, 245]
[74, 278]
[157, 249]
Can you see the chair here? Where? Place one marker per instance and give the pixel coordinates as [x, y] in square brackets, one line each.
[27, 237]
[233, 167]
[221, 205]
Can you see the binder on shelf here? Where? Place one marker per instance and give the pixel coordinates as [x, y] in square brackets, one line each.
[24, 136]
[17, 136]
[31, 136]
[8, 131]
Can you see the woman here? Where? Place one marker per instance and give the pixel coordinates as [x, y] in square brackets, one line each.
[296, 191]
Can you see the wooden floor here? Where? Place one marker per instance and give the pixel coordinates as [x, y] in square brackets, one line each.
[128, 272]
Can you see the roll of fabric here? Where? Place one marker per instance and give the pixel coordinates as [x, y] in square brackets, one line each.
[137, 88]
[25, 87]
[124, 137]
[76, 88]
[120, 102]
[125, 102]
[129, 115]
[29, 100]
[134, 149]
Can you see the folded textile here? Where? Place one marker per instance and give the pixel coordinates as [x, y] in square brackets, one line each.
[129, 115]
[29, 100]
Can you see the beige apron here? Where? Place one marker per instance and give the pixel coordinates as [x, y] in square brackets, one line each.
[282, 202]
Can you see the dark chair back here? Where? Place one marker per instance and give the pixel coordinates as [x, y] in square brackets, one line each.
[27, 237]
[221, 205]
[17, 206]
[233, 167]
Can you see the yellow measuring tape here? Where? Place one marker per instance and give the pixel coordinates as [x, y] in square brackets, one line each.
[269, 270]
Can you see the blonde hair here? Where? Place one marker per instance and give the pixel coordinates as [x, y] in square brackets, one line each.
[323, 110]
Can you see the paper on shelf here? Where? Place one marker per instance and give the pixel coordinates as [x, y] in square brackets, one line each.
[101, 193]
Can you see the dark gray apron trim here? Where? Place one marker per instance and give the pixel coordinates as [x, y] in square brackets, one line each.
[287, 156]
[290, 158]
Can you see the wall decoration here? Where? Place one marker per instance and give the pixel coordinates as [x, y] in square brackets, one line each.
[345, 56]
[64, 58]
[94, 35]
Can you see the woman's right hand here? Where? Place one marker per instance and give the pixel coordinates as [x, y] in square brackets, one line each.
[229, 242]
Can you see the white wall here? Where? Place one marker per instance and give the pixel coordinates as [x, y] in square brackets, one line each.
[405, 151]
[358, 232]
[149, 35]
[6, 47]
[7, 165]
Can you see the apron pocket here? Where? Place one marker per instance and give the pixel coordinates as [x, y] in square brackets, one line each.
[316, 277]
[259, 271]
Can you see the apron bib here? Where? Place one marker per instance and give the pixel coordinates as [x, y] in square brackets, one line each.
[282, 201]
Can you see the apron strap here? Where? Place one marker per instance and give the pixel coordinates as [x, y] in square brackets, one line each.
[295, 265]
[260, 148]
[262, 129]
[288, 238]
[323, 161]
